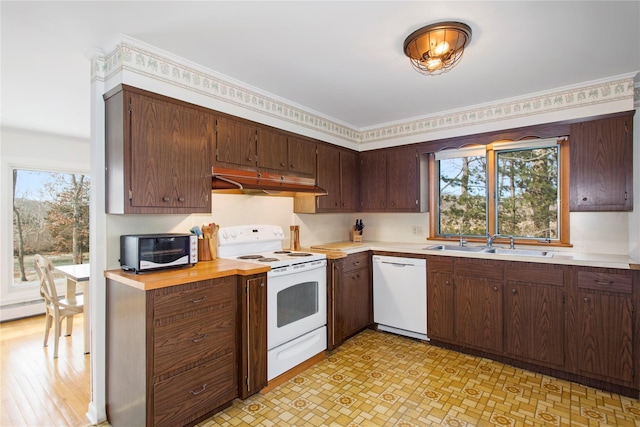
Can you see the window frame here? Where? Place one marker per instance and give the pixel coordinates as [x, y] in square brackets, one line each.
[564, 239]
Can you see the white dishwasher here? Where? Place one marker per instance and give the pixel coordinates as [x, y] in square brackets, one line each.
[400, 295]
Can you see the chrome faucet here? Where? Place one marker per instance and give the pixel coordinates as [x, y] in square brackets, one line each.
[490, 239]
[462, 240]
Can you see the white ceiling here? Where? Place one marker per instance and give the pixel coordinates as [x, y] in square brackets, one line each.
[340, 59]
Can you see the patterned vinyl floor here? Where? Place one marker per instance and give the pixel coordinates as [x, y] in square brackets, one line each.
[380, 379]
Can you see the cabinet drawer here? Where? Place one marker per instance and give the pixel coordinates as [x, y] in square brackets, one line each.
[603, 281]
[184, 397]
[185, 300]
[185, 342]
[356, 261]
[479, 268]
[532, 273]
[440, 264]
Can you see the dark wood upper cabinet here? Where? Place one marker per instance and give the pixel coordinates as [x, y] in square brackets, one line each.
[235, 143]
[157, 154]
[349, 180]
[251, 146]
[328, 177]
[373, 181]
[337, 174]
[390, 180]
[272, 150]
[301, 156]
[602, 164]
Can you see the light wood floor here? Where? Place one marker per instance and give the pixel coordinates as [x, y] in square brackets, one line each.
[36, 389]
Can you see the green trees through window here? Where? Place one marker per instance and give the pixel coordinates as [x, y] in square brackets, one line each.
[512, 189]
[50, 217]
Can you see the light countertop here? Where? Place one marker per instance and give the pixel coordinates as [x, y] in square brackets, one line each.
[203, 270]
[560, 256]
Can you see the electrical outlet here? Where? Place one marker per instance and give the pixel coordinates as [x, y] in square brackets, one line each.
[416, 230]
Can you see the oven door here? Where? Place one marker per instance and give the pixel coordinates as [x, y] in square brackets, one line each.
[296, 304]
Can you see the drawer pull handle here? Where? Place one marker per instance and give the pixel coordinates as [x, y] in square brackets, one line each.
[356, 263]
[604, 283]
[586, 299]
[195, 393]
[165, 199]
[513, 291]
[195, 301]
[201, 338]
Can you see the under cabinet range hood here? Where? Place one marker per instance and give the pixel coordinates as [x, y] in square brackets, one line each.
[260, 183]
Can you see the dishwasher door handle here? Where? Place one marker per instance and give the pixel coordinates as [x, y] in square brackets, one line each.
[396, 264]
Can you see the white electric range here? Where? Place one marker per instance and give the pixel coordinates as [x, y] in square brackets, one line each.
[296, 293]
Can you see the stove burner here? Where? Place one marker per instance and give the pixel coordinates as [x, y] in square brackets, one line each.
[250, 257]
[282, 252]
[268, 259]
[299, 254]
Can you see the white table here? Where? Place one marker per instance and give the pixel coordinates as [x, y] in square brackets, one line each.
[78, 273]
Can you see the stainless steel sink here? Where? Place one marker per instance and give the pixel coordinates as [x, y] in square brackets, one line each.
[452, 248]
[520, 252]
[485, 250]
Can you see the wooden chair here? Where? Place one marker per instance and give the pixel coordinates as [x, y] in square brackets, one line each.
[56, 309]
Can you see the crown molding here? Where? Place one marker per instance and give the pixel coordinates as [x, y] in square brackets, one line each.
[133, 56]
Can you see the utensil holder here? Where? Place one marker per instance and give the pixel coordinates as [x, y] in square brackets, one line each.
[206, 249]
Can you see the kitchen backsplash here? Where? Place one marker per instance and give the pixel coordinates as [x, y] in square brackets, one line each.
[600, 232]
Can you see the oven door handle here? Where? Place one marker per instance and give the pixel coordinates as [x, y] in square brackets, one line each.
[299, 347]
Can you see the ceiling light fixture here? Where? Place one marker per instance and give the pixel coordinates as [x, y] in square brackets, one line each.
[437, 48]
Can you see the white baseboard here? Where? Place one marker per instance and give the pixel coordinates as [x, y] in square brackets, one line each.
[18, 311]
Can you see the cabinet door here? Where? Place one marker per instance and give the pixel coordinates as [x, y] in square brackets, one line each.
[170, 145]
[356, 301]
[440, 287]
[272, 150]
[328, 177]
[150, 152]
[534, 313]
[602, 165]
[605, 325]
[235, 143]
[254, 335]
[302, 157]
[402, 180]
[334, 286]
[478, 303]
[349, 180]
[373, 181]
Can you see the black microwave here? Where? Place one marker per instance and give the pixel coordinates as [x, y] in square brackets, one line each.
[143, 252]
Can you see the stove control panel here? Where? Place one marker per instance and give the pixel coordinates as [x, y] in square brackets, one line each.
[249, 233]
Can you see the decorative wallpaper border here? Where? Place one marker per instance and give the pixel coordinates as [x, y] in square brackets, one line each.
[128, 57]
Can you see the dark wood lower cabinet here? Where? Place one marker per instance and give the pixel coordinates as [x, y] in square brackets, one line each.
[178, 354]
[253, 327]
[478, 303]
[440, 298]
[576, 323]
[534, 312]
[603, 327]
[349, 296]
